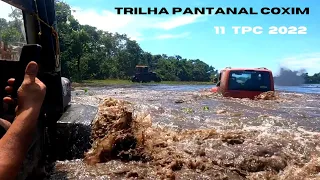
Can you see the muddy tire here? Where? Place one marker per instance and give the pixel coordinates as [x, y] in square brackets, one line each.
[134, 79]
[158, 79]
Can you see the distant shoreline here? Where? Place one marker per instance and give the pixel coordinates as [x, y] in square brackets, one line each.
[106, 82]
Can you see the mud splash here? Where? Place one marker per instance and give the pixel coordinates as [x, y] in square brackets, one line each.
[116, 134]
[270, 95]
[163, 153]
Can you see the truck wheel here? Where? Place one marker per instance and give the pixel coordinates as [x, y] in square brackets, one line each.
[135, 79]
[157, 79]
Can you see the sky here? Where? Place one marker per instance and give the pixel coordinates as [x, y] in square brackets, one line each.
[194, 37]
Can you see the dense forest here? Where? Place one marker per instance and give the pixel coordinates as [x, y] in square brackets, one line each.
[90, 53]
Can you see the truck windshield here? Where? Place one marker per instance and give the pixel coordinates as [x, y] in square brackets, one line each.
[249, 81]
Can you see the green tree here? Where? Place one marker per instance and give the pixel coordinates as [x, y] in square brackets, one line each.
[90, 53]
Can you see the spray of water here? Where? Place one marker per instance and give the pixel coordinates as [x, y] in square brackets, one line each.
[289, 77]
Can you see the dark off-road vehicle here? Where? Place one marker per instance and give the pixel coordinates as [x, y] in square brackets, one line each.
[144, 75]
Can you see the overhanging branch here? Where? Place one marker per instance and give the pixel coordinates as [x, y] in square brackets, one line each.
[25, 5]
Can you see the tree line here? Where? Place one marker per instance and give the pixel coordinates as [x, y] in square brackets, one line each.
[314, 79]
[89, 53]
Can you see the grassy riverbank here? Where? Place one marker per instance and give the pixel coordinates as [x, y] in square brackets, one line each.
[128, 82]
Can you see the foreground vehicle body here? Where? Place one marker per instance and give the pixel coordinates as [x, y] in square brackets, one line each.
[56, 135]
[244, 82]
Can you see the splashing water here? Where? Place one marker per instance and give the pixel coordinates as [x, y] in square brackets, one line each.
[156, 134]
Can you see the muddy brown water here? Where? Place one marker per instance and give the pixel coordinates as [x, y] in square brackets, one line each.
[210, 137]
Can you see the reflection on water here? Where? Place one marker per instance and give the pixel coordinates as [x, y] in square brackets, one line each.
[307, 88]
[212, 137]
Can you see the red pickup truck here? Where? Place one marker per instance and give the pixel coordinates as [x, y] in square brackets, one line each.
[244, 82]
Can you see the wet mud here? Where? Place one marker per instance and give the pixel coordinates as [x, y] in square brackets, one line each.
[145, 133]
